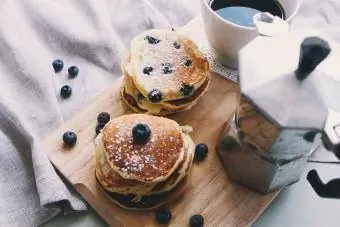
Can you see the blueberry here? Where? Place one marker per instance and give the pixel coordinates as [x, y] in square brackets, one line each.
[167, 68]
[103, 117]
[73, 71]
[188, 63]
[163, 216]
[155, 96]
[196, 220]
[201, 151]
[187, 89]
[65, 91]
[151, 40]
[70, 138]
[99, 128]
[147, 70]
[57, 65]
[177, 45]
[141, 133]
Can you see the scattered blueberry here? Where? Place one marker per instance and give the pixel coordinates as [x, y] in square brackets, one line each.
[188, 63]
[147, 70]
[196, 220]
[141, 133]
[172, 29]
[99, 128]
[187, 89]
[155, 96]
[201, 151]
[163, 216]
[57, 65]
[152, 40]
[70, 138]
[73, 71]
[177, 45]
[65, 91]
[103, 117]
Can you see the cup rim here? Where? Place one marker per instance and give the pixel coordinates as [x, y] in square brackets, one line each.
[205, 2]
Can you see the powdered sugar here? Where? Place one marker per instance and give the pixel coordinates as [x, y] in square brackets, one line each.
[155, 158]
[168, 63]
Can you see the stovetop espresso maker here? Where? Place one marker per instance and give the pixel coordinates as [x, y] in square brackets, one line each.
[289, 105]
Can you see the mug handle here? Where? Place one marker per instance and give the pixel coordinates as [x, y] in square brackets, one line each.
[270, 25]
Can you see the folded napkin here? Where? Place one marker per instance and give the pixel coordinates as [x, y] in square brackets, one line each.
[91, 34]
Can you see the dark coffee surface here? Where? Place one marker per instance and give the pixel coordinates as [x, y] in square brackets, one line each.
[271, 6]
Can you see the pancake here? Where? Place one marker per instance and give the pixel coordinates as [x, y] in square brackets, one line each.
[178, 67]
[144, 104]
[143, 176]
[141, 101]
[132, 104]
[149, 202]
[151, 162]
[182, 170]
[192, 99]
[113, 182]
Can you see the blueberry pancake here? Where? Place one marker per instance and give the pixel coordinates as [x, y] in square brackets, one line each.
[145, 202]
[113, 182]
[141, 158]
[159, 108]
[164, 66]
[132, 104]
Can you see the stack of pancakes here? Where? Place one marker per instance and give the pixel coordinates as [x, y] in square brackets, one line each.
[140, 176]
[164, 73]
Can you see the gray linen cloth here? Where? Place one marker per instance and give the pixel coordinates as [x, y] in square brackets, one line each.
[91, 34]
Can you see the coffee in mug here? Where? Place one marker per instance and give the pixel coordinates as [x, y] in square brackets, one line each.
[229, 24]
[241, 12]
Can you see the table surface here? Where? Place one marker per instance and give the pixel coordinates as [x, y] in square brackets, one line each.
[296, 205]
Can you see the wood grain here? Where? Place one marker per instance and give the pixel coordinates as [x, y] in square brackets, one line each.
[209, 193]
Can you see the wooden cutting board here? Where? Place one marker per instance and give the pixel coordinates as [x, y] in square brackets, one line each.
[210, 193]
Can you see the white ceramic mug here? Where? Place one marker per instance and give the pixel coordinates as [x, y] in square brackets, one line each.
[227, 38]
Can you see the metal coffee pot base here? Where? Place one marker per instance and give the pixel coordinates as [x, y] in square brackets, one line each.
[261, 171]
